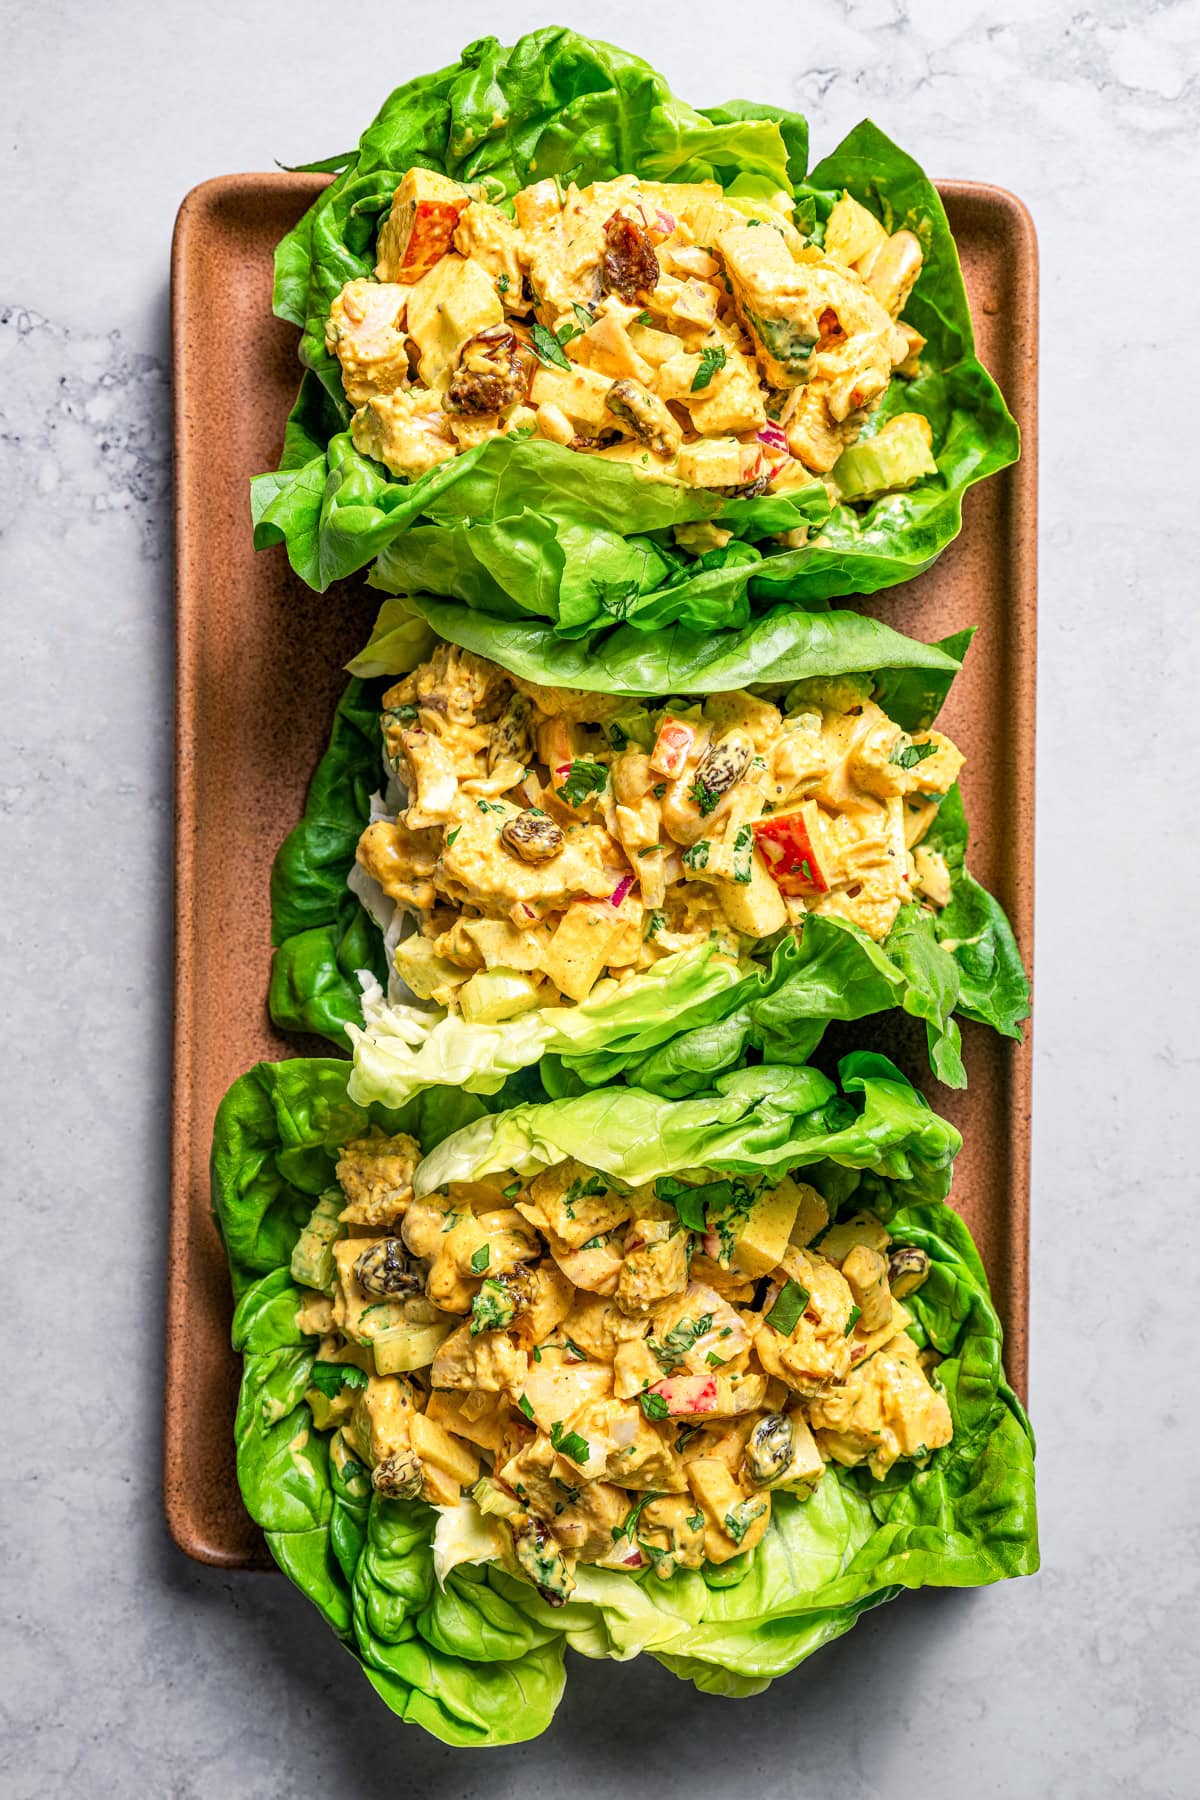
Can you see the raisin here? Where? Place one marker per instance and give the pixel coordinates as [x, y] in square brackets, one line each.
[630, 265]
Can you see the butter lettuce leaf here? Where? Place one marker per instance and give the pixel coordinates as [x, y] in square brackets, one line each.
[476, 1656]
[519, 527]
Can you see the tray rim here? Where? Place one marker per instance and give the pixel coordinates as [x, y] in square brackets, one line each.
[196, 207]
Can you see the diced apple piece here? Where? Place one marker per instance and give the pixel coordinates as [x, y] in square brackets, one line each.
[687, 1396]
[581, 946]
[792, 846]
[760, 1239]
[672, 747]
[417, 232]
[437, 1449]
[719, 462]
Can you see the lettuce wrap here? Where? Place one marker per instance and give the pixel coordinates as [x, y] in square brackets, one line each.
[525, 527]
[692, 1016]
[448, 1634]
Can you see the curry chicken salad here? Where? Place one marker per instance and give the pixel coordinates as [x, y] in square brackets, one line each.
[614, 1376]
[553, 838]
[696, 335]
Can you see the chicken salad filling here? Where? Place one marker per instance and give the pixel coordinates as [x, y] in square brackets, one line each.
[696, 335]
[544, 840]
[611, 1375]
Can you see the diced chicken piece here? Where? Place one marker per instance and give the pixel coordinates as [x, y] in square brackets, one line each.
[730, 399]
[407, 431]
[481, 1426]
[734, 1519]
[595, 1266]
[636, 1453]
[607, 348]
[490, 239]
[598, 1327]
[672, 1526]
[582, 396]
[382, 1422]
[479, 868]
[365, 331]
[859, 1228]
[812, 1215]
[719, 463]
[852, 234]
[417, 232]
[454, 302]
[375, 1174]
[816, 1350]
[403, 863]
[885, 1410]
[489, 1361]
[577, 1203]
[547, 1300]
[893, 269]
[654, 1267]
[428, 767]
[582, 1514]
[932, 874]
[557, 1388]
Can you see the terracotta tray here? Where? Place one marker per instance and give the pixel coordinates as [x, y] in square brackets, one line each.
[259, 666]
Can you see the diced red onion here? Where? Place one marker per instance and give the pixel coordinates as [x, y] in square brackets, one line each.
[666, 222]
[773, 436]
[620, 891]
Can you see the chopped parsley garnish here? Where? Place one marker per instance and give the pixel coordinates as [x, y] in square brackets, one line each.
[697, 856]
[537, 1353]
[583, 779]
[852, 1321]
[714, 1361]
[569, 1442]
[618, 737]
[650, 850]
[659, 789]
[524, 1406]
[643, 318]
[907, 756]
[789, 1307]
[502, 284]
[451, 835]
[672, 1350]
[806, 868]
[743, 854]
[654, 924]
[480, 1259]
[512, 1190]
[654, 1406]
[696, 1521]
[548, 348]
[330, 1378]
[593, 1188]
[711, 359]
[402, 715]
[488, 806]
[586, 319]
[576, 1352]
[686, 1434]
[704, 798]
[596, 1243]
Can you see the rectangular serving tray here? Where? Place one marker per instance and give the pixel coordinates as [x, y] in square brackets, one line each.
[258, 671]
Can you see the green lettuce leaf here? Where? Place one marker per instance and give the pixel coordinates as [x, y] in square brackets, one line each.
[520, 527]
[477, 1657]
[688, 1019]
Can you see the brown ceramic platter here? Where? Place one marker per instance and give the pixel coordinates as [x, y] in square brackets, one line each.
[259, 668]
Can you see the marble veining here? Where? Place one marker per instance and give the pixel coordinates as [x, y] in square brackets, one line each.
[128, 1671]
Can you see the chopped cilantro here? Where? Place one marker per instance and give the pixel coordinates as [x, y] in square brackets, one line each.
[584, 778]
[512, 1190]
[502, 284]
[330, 1378]
[712, 358]
[576, 1352]
[643, 318]
[548, 348]
[852, 1321]
[687, 1201]
[480, 1259]
[524, 1406]
[569, 1442]
[451, 835]
[632, 1516]
[672, 1351]
[704, 797]
[654, 924]
[696, 1521]
[742, 1516]
[659, 789]
[714, 1361]
[401, 715]
[743, 854]
[537, 1353]
[697, 856]
[586, 319]
[654, 1406]
[789, 1307]
[596, 1243]
[492, 1308]
[907, 756]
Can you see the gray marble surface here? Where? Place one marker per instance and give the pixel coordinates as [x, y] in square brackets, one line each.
[128, 1670]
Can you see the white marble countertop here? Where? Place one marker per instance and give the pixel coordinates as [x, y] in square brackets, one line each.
[127, 1669]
